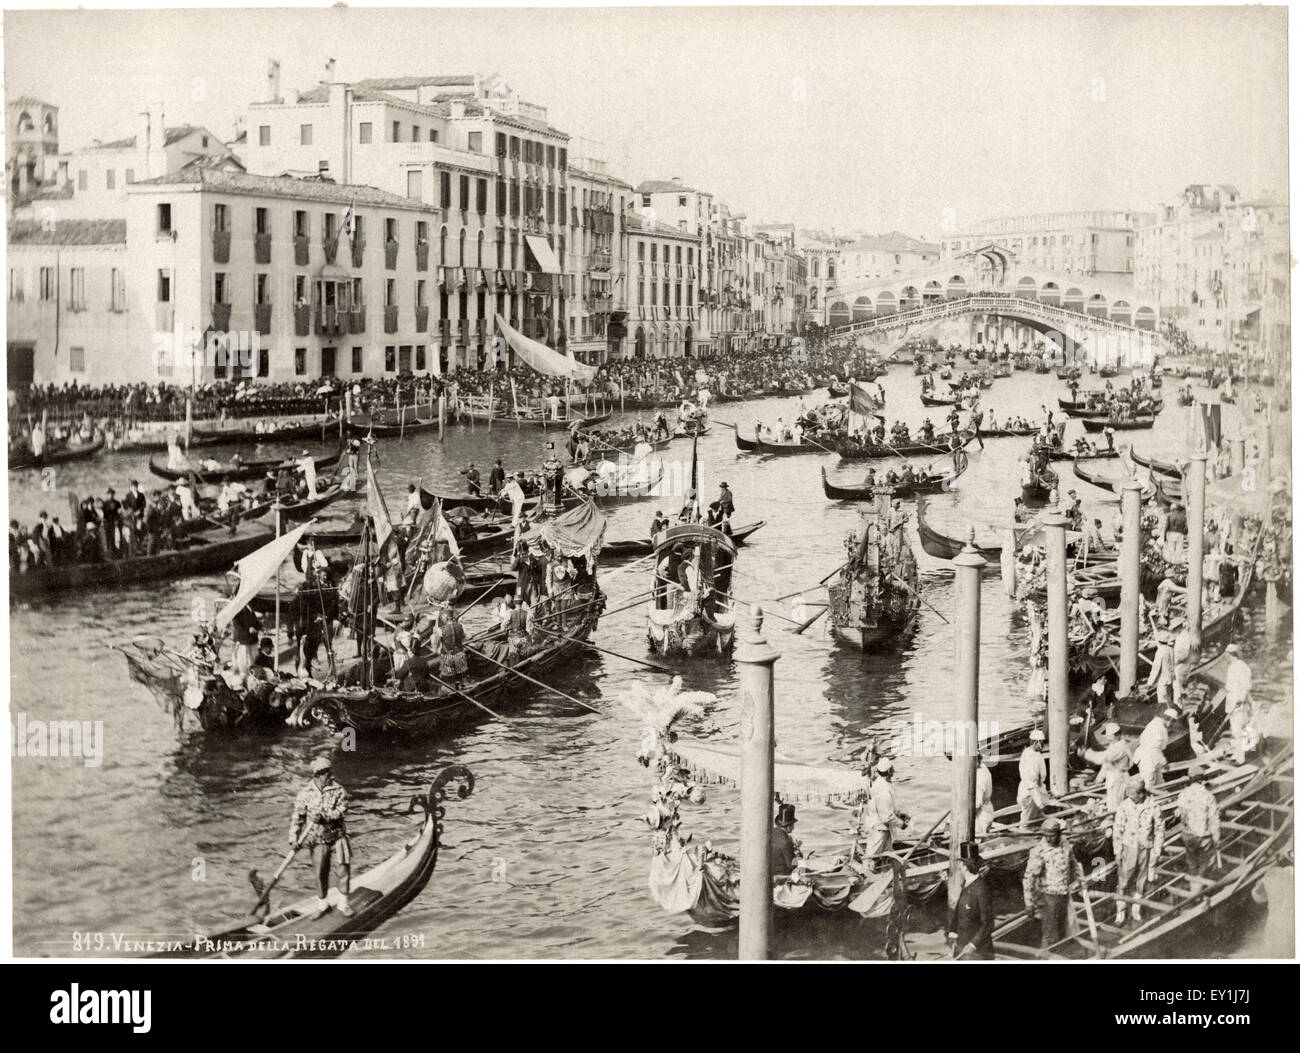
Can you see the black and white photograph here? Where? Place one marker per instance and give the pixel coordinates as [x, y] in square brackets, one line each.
[649, 484]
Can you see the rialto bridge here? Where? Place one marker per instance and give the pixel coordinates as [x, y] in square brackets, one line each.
[985, 298]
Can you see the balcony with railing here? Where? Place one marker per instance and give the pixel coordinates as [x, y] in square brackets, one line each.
[390, 318]
[261, 248]
[599, 261]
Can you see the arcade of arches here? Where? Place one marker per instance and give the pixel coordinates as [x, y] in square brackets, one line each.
[669, 342]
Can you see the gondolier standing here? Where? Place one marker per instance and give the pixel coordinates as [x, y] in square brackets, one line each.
[318, 824]
[1032, 793]
[882, 814]
[1138, 837]
[1050, 872]
[1237, 685]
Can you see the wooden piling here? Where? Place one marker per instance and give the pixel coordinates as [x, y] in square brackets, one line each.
[966, 640]
[1195, 542]
[1058, 654]
[442, 414]
[756, 659]
[1130, 575]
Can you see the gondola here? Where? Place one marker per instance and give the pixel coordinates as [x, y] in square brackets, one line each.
[644, 546]
[943, 546]
[932, 485]
[779, 449]
[199, 552]
[837, 392]
[1104, 481]
[692, 614]
[1004, 433]
[932, 400]
[1039, 491]
[849, 450]
[1066, 453]
[1132, 424]
[875, 598]
[487, 689]
[1160, 467]
[232, 432]
[1169, 491]
[73, 452]
[392, 431]
[234, 473]
[686, 431]
[377, 894]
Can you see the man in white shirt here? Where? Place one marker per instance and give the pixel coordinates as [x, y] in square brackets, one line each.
[983, 796]
[1237, 687]
[1162, 669]
[882, 814]
[1032, 794]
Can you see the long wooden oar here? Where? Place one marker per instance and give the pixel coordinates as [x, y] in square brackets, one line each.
[266, 892]
[799, 631]
[533, 680]
[658, 667]
[1092, 922]
[914, 592]
[824, 580]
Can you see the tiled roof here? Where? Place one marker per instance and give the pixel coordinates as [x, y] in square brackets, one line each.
[894, 241]
[28, 100]
[663, 186]
[236, 182]
[407, 83]
[170, 136]
[68, 232]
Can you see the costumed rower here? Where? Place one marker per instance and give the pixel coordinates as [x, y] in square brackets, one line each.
[318, 823]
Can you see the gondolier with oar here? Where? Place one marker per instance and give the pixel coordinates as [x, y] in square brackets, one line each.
[318, 823]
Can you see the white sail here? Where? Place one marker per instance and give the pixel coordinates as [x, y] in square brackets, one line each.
[255, 570]
[544, 359]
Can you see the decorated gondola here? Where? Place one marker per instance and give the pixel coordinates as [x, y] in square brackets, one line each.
[876, 596]
[852, 450]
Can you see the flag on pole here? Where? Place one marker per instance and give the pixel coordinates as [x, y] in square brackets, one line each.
[863, 401]
[442, 531]
[349, 219]
[1209, 427]
[377, 507]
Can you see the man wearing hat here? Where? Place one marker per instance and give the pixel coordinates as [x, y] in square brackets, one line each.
[1237, 685]
[1198, 812]
[726, 505]
[1114, 761]
[658, 525]
[1050, 872]
[785, 849]
[472, 480]
[1138, 837]
[318, 823]
[1162, 669]
[882, 814]
[1032, 793]
[970, 922]
[1154, 740]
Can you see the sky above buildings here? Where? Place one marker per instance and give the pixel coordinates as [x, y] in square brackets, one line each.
[873, 119]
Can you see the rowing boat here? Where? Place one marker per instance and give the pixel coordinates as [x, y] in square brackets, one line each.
[943, 546]
[1131, 424]
[488, 688]
[231, 471]
[72, 452]
[779, 449]
[377, 894]
[392, 431]
[197, 552]
[850, 450]
[931, 484]
[237, 431]
[1257, 824]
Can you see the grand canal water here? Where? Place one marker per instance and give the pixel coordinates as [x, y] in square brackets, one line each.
[549, 857]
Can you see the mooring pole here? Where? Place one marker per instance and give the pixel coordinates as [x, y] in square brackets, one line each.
[756, 659]
[1195, 542]
[189, 420]
[442, 413]
[966, 640]
[1058, 654]
[1130, 581]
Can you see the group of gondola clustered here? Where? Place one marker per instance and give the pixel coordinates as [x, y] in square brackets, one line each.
[390, 603]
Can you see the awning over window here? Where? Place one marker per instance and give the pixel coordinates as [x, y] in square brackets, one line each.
[542, 254]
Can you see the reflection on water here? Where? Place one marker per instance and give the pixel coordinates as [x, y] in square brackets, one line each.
[549, 857]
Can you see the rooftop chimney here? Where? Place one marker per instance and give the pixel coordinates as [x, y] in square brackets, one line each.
[329, 71]
[273, 81]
